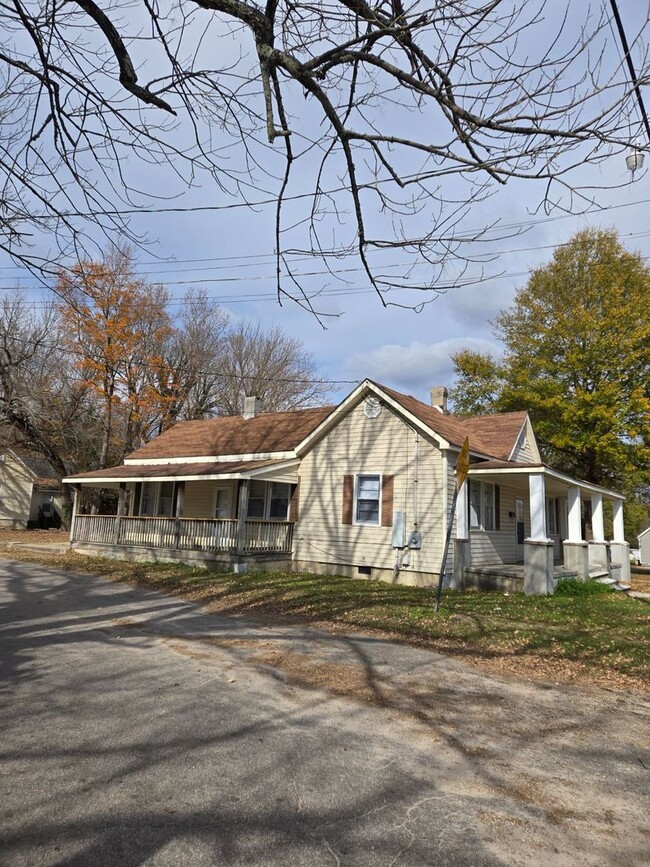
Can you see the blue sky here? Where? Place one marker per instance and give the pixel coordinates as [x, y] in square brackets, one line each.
[229, 251]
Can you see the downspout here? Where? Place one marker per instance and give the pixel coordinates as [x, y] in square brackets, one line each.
[445, 494]
[404, 559]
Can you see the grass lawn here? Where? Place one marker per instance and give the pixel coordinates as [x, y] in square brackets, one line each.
[585, 633]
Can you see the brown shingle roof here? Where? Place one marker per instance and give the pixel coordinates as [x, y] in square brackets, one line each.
[234, 435]
[149, 471]
[499, 431]
[489, 434]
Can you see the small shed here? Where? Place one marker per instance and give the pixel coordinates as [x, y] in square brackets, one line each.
[644, 547]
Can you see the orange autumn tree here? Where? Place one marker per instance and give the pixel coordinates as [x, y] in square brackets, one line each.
[114, 324]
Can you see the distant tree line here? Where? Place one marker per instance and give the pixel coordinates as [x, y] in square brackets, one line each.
[105, 366]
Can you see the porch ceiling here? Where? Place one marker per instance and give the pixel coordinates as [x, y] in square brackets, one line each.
[516, 476]
[219, 471]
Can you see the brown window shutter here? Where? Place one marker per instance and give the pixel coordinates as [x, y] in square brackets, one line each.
[348, 491]
[293, 503]
[387, 501]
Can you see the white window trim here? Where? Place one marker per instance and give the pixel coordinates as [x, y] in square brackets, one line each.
[357, 523]
[267, 502]
[480, 527]
[156, 513]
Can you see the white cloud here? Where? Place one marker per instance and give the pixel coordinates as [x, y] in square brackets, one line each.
[416, 367]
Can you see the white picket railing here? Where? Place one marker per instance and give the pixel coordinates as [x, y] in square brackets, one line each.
[187, 534]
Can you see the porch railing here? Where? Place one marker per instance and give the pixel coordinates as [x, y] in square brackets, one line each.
[186, 534]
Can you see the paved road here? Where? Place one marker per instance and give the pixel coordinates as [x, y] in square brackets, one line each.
[137, 729]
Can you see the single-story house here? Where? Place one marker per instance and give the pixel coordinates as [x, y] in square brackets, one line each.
[644, 547]
[362, 488]
[30, 492]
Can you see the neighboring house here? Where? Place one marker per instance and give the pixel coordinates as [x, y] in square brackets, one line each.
[644, 547]
[30, 493]
[363, 488]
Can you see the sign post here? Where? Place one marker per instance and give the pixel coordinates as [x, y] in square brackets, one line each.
[462, 467]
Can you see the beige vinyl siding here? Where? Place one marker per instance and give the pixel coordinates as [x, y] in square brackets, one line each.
[15, 492]
[499, 546]
[451, 487]
[199, 498]
[386, 446]
[526, 451]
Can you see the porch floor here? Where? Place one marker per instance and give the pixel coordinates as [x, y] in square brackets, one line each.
[514, 570]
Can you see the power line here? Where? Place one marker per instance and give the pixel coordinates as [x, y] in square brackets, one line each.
[630, 66]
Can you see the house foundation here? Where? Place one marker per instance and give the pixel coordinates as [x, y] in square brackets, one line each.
[217, 562]
[538, 568]
[576, 558]
[620, 561]
[598, 557]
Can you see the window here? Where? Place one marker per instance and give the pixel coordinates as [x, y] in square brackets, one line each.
[279, 500]
[483, 505]
[148, 499]
[366, 506]
[256, 499]
[268, 500]
[157, 499]
[552, 522]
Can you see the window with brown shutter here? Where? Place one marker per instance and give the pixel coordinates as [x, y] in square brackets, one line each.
[348, 493]
[387, 501]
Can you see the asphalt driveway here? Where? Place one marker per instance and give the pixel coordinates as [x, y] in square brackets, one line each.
[137, 729]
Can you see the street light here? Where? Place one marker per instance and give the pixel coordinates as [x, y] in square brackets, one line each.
[634, 160]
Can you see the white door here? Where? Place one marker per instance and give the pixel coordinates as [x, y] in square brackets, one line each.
[519, 529]
[222, 501]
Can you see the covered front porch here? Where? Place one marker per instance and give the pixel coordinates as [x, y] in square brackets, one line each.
[533, 522]
[229, 515]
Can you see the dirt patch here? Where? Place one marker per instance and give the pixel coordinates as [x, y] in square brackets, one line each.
[37, 537]
[641, 580]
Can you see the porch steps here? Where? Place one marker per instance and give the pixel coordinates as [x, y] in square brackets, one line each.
[612, 582]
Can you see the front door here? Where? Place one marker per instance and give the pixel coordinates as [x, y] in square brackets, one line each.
[519, 529]
[222, 501]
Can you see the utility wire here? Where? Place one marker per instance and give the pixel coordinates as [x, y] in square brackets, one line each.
[630, 66]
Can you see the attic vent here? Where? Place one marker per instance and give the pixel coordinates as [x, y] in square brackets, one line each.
[252, 406]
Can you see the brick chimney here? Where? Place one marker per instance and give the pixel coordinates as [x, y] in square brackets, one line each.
[439, 398]
[252, 406]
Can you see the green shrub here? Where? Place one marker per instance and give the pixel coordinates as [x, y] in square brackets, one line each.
[576, 587]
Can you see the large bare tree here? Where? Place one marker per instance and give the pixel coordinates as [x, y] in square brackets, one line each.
[372, 124]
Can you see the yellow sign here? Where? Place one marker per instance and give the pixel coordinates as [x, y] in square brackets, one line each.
[462, 464]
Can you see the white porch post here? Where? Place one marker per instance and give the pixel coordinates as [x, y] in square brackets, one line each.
[75, 509]
[576, 554]
[597, 524]
[462, 514]
[538, 548]
[241, 518]
[619, 549]
[537, 489]
[619, 530]
[461, 543]
[598, 548]
[574, 517]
